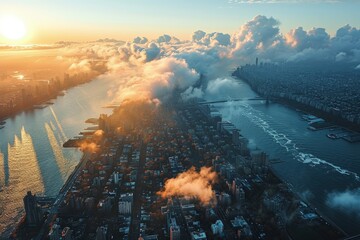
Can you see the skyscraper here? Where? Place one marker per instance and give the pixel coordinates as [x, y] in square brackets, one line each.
[174, 232]
[33, 211]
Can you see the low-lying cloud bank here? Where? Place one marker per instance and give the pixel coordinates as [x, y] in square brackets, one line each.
[167, 67]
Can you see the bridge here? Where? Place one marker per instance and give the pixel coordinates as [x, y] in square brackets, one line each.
[233, 100]
[356, 237]
[44, 200]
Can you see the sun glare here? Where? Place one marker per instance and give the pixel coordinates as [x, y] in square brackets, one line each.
[12, 27]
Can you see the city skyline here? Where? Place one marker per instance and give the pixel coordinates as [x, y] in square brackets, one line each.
[155, 120]
[55, 21]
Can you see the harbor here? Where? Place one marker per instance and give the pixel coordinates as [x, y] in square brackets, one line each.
[335, 132]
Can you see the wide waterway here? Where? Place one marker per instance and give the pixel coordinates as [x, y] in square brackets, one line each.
[31, 152]
[323, 171]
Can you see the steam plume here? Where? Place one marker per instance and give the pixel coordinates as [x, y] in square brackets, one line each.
[192, 184]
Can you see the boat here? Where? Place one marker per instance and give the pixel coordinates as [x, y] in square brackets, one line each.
[332, 136]
[311, 118]
[41, 106]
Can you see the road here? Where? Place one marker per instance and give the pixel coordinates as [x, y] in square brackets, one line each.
[136, 208]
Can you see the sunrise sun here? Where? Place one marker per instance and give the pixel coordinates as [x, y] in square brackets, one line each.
[12, 27]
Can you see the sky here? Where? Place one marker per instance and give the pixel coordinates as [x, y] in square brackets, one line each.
[86, 20]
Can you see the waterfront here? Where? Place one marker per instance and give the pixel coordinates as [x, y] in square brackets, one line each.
[31, 152]
[313, 164]
[324, 172]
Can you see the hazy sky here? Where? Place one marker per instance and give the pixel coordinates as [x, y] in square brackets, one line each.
[81, 20]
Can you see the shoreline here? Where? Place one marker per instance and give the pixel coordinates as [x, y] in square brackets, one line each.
[86, 156]
[340, 122]
[307, 110]
[297, 195]
[42, 103]
[19, 224]
[321, 218]
[17, 221]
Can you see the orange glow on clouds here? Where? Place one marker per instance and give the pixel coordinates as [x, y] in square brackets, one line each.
[192, 184]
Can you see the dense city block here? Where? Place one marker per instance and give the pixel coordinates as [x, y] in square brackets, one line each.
[329, 88]
[172, 173]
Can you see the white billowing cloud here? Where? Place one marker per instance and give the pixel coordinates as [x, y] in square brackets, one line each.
[167, 39]
[152, 51]
[221, 88]
[192, 93]
[205, 61]
[211, 39]
[133, 52]
[198, 35]
[259, 37]
[164, 38]
[316, 38]
[93, 50]
[152, 81]
[348, 201]
[347, 40]
[140, 40]
[82, 66]
[341, 56]
[310, 54]
[282, 1]
[155, 70]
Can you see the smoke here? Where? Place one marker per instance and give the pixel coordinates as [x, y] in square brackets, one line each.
[98, 133]
[348, 201]
[192, 184]
[89, 147]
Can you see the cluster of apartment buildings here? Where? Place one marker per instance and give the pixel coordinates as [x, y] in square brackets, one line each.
[332, 90]
[117, 193]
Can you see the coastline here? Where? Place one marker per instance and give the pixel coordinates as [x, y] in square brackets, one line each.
[297, 195]
[303, 207]
[15, 221]
[305, 108]
[309, 110]
[20, 224]
[43, 102]
[86, 156]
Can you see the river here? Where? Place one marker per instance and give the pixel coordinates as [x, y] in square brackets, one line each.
[31, 152]
[324, 172]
